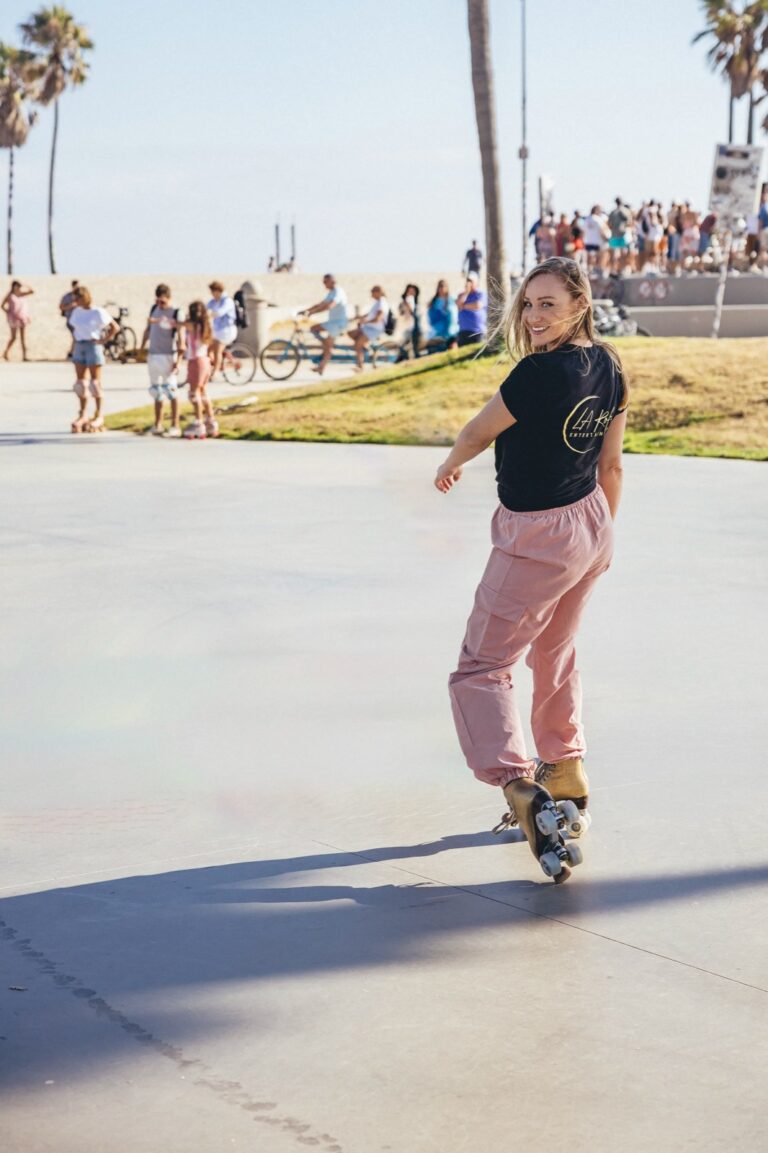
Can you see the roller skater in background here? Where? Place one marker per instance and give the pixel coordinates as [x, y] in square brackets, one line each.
[558, 422]
[91, 329]
[198, 341]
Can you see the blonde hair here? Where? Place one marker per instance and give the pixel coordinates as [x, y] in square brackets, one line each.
[575, 281]
[83, 297]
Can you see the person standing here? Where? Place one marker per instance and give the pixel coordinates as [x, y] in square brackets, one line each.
[596, 232]
[165, 335]
[91, 329]
[18, 317]
[558, 422]
[335, 304]
[66, 304]
[473, 312]
[473, 260]
[410, 311]
[198, 339]
[223, 323]
[619, 221]
[371, 327]
[443, 316]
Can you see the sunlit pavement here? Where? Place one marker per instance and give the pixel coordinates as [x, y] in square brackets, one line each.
[37, 398]
[250, 898]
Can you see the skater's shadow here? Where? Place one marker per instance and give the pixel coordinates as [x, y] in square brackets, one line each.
[141, 941]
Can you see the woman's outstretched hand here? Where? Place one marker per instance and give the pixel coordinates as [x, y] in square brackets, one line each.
[446, 477]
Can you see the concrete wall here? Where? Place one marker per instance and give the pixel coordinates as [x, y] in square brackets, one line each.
[48, 338]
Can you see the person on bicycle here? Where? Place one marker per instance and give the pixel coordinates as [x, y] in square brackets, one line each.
[335, 303]
[165, 334]
[223, 323]
[371, 326]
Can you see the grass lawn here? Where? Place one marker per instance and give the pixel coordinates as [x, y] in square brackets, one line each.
[695, 397]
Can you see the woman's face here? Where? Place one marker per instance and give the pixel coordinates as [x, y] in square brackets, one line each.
[549, 310]
[442, 288]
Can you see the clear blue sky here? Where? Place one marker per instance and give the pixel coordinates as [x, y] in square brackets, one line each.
[201, 121]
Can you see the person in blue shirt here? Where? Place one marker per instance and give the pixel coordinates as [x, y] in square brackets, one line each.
[443, 315]
[473, 312]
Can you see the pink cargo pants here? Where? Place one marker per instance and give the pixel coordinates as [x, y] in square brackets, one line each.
[541, 572]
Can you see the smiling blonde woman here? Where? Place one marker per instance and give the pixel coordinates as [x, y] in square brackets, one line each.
[558, 422]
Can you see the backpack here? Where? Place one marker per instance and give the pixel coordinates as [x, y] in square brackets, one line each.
[241, 316]
[389, 325]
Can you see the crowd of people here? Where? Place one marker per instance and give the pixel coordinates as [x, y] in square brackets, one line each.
[649, 239]
[197, 337]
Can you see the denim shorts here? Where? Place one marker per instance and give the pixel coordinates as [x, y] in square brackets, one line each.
[88, 352]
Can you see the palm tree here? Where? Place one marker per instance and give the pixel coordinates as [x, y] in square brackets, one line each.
[17, 87]
[482, 87]
[740, 37]
[62, 44]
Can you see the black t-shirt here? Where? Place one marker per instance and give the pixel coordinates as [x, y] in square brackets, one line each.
[563, 402]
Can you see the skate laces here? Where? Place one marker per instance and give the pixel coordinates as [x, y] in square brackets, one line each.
[508, 821]
[544, 771]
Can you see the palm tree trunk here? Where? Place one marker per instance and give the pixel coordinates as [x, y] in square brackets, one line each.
[751, 116]
[482, 87]
[50, 185]
[10, 212]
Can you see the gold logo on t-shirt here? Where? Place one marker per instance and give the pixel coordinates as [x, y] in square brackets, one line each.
[586, 422]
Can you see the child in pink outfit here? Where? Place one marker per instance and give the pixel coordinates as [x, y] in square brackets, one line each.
[558, 422]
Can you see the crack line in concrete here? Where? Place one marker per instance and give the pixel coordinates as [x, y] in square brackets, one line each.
[230, 1091]
[547, 917]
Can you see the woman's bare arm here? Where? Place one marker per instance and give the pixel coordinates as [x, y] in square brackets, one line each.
[610, 473]
[473, 439]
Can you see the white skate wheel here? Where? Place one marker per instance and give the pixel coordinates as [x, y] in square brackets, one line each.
[575, 855]
[546, 822]
[551, 864]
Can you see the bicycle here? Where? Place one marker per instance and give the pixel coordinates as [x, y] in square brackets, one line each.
[280, 358]
[238, 365]
[123, 343]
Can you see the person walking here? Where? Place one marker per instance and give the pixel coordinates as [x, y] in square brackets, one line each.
[473, 312]
[17, 315]
[165, 335]
[91, 329]
[371, 327]
[223, 323]
[473, 260]
[335, 304]
[443, 316]
[199, 335]
[558, 422]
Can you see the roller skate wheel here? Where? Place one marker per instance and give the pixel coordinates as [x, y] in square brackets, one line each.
[573, 819]
[546, 822]
[551, 864]
[574, 854]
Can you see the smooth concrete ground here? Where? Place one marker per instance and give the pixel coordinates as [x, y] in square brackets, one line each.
[250, 898]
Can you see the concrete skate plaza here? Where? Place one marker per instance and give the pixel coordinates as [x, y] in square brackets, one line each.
[250, 897]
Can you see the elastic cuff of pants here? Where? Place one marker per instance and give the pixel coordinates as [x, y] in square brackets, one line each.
[516, 774]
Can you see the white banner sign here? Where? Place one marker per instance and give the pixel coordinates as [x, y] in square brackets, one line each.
[735, 183]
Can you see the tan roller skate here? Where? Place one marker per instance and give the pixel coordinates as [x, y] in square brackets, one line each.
[568, 786]
[536, 812]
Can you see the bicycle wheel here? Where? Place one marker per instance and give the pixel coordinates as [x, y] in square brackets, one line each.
[115, 348]
[129, 338]
[280, 359]
[386, 353]
[239, 364]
